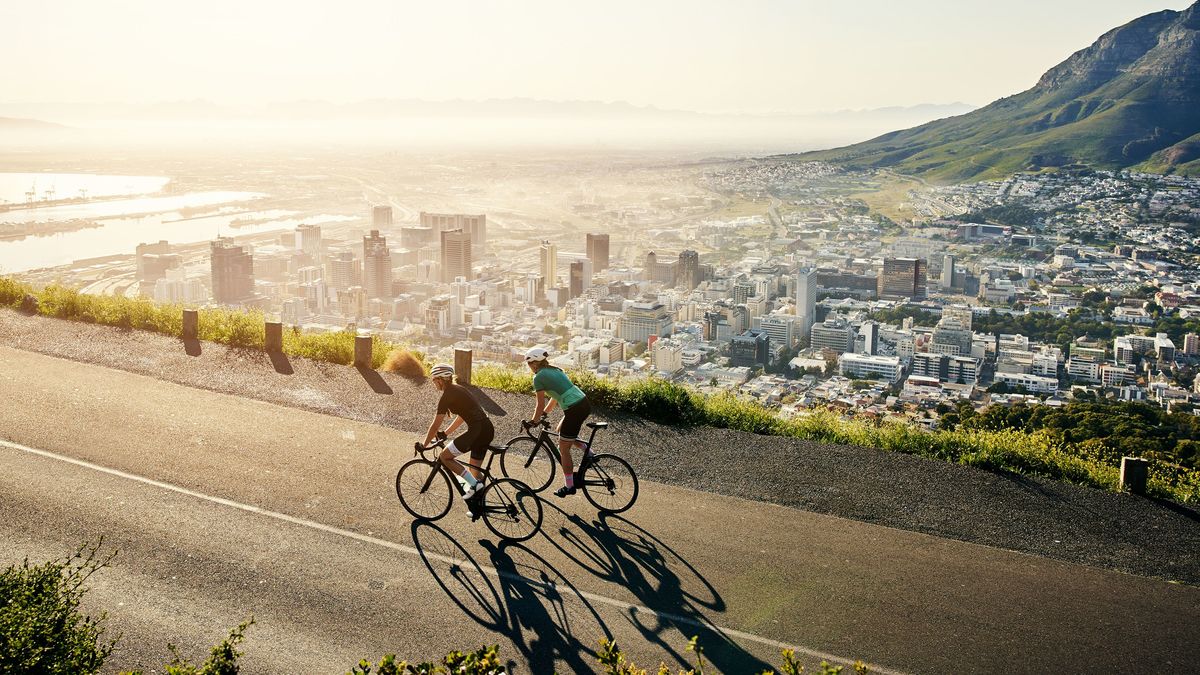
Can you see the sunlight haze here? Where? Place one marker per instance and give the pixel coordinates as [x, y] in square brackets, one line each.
[704, 56]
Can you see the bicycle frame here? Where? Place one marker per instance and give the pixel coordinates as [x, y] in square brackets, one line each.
[545, 435]
[438, 466]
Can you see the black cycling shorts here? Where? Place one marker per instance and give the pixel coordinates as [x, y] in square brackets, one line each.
[475, 439]
[573, 418]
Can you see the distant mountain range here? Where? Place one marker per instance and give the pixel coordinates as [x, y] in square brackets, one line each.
[1130, 100]
[21, 124]
[390, 108]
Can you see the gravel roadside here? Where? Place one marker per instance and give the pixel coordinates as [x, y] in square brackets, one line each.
[1031, 515]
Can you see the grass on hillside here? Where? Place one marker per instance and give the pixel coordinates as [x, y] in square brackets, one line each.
[1036, 454]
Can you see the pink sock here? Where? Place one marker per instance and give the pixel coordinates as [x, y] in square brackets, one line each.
[570, 478]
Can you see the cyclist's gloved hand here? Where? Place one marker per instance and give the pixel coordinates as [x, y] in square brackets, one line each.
[441, 436]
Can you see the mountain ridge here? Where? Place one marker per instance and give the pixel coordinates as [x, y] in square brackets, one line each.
[1129, 100]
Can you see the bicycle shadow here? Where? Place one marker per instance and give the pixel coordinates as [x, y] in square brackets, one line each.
[678, 596]
[525, 599]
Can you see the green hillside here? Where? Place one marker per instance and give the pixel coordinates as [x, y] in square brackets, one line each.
[1131, 99]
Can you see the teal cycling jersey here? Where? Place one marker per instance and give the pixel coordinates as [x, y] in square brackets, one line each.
[558, 386]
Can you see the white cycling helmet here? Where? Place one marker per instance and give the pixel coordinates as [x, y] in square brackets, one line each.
[442, 370]
[537, 354]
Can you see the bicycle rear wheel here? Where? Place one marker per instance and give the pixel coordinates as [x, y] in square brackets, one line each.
[511, 509]
[610, 484]
[424, 491]
[529, 462]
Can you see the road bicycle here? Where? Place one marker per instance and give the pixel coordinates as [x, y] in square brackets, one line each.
[607, 480]
[509, 507]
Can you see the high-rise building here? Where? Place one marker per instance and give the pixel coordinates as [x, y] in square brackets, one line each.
[457, 252]
[806, 299]
[308, 240]
[947, 271]
[781, 328]
[689, 269]
[597, 251]
[377, 265]
[902, 278]
[643, 319]
[475, 226]
[381, 217]
[1191, 344]
[751, 348]
[344, 271]
[580, 277]
[869, 332]
[161, 248]
[742, 291]
[952, 338]
[549, 263]
[232, 272]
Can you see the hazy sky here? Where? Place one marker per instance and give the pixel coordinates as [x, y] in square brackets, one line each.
[798, 56]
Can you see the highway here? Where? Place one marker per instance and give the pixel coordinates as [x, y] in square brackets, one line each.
[223, 507]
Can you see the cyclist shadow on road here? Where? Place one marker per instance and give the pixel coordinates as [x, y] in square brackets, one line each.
[678, 596]
[526, 600]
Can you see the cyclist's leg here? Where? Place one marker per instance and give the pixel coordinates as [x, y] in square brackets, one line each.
[479, 448]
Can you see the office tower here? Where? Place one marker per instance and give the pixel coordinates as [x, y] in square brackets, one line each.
[947, 271]
[643, 319]
[806, 299]
[535, 289]
[597, 251]
[780, 328]
[902, 278]
[951, 337]
[580, 277]
[308, 240]
[377, 265]
[869, 331]
[473, 225]
[381, 217]
[456, 255]
[161, 248]
[549, 264]
[344, 272]
[742, 291]
[750, 348]
[834, 334]
[689, 269]
[232, 272]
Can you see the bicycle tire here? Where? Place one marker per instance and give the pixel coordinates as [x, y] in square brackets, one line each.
[511, 509]
[530, 462]
[424, 504]
[610, 483]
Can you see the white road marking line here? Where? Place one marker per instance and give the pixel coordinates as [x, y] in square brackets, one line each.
[491, 571]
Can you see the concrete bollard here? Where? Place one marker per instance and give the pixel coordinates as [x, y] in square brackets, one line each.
[274, 341]
[191, 324]
[363, 345]
[462, 366]
[1134, 473]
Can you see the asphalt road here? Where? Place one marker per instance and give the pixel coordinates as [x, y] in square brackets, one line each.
[223, 507]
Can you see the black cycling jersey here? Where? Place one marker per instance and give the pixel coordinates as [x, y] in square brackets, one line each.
[458, 401]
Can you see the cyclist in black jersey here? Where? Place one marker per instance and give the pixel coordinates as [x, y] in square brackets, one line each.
[459, 402]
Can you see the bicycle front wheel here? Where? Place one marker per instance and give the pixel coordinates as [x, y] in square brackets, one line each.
[511, 509]
[610, 484]
[530, 462]
[424, 490]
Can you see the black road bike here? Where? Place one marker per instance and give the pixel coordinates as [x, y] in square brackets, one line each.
[509, 508]
[608, 481]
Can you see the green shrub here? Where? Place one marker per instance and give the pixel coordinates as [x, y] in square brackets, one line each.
[42, 629]
[12, 292]
[483, 661]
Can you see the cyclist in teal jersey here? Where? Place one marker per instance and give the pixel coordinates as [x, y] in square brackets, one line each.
[550, 382]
